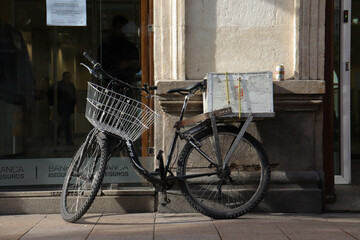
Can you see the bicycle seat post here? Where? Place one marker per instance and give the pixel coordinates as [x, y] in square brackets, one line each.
[187, 97]
[188, 92]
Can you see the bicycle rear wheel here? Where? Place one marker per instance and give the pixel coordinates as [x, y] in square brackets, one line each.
[229, 192]
[84, 177]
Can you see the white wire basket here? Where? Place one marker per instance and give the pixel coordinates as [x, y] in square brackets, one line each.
[115, 113]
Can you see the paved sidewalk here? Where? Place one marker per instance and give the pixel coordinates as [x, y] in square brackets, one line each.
[182, 226]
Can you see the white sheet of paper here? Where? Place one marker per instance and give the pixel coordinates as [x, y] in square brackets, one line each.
[66, 12]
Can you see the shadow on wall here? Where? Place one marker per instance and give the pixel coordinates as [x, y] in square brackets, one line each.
[200, 37]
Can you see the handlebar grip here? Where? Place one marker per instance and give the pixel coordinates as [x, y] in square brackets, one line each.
[152, 88]
[88, 57]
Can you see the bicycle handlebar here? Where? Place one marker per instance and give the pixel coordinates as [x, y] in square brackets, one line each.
[97, 67]
[89, 58]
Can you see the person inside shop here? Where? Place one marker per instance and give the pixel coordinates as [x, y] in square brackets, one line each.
[66, 95]
[118, 55]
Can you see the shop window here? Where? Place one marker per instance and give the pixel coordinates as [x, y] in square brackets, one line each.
[43, 87]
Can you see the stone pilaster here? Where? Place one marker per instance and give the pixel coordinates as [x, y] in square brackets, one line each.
[309, 37]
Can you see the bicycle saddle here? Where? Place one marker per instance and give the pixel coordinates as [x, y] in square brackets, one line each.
[186, 90]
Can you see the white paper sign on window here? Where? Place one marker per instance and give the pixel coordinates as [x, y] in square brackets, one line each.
[66, 12]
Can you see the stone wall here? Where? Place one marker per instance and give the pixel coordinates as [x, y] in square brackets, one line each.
[193, 37]
[238, 36]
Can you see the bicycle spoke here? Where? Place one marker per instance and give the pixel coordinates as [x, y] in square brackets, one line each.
[232, 191]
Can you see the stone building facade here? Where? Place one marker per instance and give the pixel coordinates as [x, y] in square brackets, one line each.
[185, 40]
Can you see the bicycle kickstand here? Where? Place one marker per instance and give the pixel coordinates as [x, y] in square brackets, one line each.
[166, 200]
[161, 165]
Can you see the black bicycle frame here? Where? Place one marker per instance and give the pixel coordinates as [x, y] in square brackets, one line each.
[154, 176]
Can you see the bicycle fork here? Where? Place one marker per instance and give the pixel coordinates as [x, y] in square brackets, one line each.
[91, 135]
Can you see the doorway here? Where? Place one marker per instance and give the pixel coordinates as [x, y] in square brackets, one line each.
[347, 91]
[355, 92]
[341, 88]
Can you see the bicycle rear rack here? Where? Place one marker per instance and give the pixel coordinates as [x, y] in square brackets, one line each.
[202, 117]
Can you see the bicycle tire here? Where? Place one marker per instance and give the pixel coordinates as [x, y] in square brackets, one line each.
[84, 177]
[229, 193]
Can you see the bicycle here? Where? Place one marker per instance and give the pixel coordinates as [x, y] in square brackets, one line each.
[222, 171]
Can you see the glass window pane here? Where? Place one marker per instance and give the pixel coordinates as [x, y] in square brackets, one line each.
[42, 85]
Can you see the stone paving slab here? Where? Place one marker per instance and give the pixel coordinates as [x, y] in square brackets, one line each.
[52, 226]
[127, 226]
[182, 226]
[185, 226]
[15, 226]
[308, 227]
[251, 227]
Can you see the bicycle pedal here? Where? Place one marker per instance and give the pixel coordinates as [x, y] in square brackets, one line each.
[166, 200]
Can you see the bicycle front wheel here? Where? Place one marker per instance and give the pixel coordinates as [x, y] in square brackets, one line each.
[84, 177]
[229, 192]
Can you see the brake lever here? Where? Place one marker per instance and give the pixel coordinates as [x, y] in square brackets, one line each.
[147, 88]
[91, 71]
